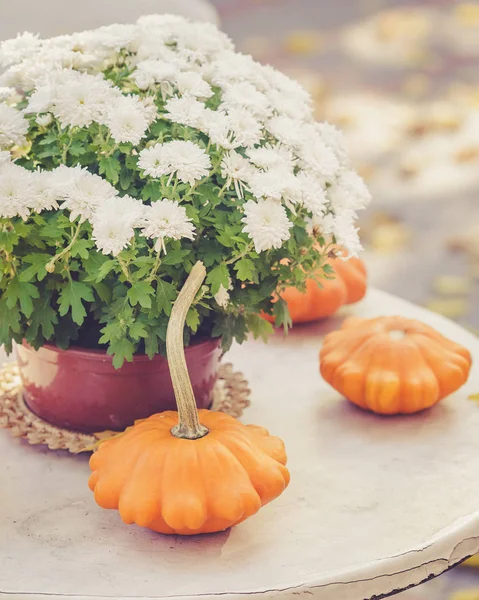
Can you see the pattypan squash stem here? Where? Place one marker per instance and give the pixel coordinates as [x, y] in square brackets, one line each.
[189, 426]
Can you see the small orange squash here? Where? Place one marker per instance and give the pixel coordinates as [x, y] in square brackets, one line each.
[393, 365]
[348, 286]
[188, 472]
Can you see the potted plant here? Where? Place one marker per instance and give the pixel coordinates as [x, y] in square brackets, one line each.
[127, 154]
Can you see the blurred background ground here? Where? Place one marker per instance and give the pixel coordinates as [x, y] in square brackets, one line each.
[402, 80]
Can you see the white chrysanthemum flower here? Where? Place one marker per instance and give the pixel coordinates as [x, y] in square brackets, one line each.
[246, 129]
[79, 99]
[237, 171]
[44, 120]
[245, 95]
[192, 84]
[63, 178]
[185, 110]
[289, 106]
[81, 191]
[317, 157]
[286, 130]
[42, 98]
[15, 50]
[148, 107]
[6, 93]
[263, 127]
[217, 127]
[285, 85]
[349, 192]
[266, 223]
[13, 126]
[334, 138]
[312, 194]
[346, 234]
[114, 37]
[153, 162]
[267, 184]
[151, 72]
[231, 67]
[222, 296]
[166, 219]
[272, 157]
[202, 41]
[186, 159]
[114, 223]
[128, 120]
[16, 191]
[45, 195]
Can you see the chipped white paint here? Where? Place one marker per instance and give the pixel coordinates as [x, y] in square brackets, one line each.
[375, 504]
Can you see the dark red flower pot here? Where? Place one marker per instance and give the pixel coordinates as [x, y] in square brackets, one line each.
[79, 389]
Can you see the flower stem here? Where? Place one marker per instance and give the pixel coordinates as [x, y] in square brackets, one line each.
[248, 249]
[155, 268]
[189, 426]
[50, 267]
[124, 269]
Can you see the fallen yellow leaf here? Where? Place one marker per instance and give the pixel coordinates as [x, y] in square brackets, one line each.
[467, 13]
[452, 284]
[448, 307]
[474, 560]
[467, 595]
[303, 42]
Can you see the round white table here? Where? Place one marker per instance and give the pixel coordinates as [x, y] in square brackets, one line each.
[375, 504]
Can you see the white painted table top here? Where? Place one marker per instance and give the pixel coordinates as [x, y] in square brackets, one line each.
[374, 505]
[57, 17]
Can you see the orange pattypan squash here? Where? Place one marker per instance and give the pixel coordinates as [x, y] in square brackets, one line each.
[348, 286]
[188, 472]
[392, 365]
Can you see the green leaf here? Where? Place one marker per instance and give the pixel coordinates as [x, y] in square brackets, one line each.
[110, 167]
[281, 314]
[151, 191]
[53, 150]
[105, 270]
[121, 350]
[80, 248]
[44, 318]
[103, 291]
[175, 257]
[77, 149]
[8, 240]
[151, 345]
[144, 266]
[328, 269]
[126, 179]
[137, 331]
[10, 323]
[140, 293]
[23, 293]
[71, 298]
[245, 269]
[225, 237]
[37, 262]
[165, 296]
[219, 276]
[259, 327]
[193, 319]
